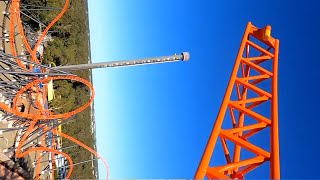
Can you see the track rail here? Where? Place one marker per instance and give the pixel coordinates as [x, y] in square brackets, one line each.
[43, 114]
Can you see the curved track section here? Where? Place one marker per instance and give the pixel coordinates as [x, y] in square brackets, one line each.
[33, 122]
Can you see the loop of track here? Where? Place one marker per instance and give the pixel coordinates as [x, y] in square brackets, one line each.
[42, 114]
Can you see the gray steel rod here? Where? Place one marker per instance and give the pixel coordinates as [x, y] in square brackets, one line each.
[68, 147]
[24, 60]
[62, 122]
[32, 18]
[44, 9]
[32, 73]
[82, 162]
[181, 57]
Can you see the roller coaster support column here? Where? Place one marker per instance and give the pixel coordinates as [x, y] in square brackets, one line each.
[253, 73]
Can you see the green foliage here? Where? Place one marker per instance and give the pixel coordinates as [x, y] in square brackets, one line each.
[65, 96]
[69, 46]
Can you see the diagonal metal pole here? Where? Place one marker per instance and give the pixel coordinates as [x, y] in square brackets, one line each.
[82, 162]
[181, 57]
[56, 125]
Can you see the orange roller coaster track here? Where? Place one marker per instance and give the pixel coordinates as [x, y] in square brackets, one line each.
[265, 50]
[43, 114]
[242, 82]
[32, 124]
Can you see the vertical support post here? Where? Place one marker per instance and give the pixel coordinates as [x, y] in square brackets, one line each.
[204, 162]
[274, 161]
[251, 96]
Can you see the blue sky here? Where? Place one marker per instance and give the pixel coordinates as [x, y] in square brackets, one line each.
[153, 121]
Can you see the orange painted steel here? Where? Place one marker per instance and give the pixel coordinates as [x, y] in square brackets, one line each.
[87, 148]
[12, 33]
[20, 29]
[42, 114]
[63, 10]
[20, 154]
[15, 10]
[243, 81]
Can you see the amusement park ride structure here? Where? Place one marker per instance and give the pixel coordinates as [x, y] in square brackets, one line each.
[243, 81]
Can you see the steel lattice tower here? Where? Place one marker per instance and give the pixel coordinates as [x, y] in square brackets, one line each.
[242, 82]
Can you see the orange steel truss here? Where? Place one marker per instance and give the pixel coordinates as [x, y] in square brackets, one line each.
[241, 83]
